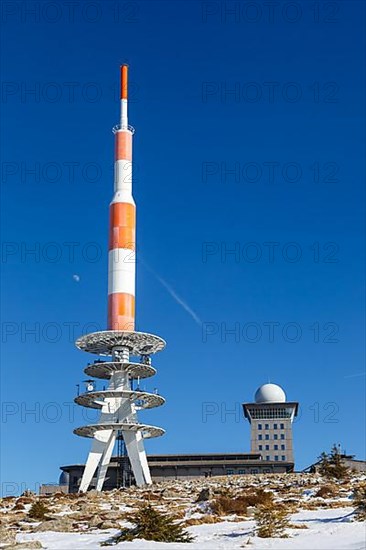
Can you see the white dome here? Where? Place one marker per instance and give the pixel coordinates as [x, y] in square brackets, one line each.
[270, 393]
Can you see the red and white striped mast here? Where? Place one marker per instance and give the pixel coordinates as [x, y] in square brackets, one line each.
[119, 404]
[122, 234]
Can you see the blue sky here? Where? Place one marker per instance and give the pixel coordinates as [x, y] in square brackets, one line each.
[249, 138]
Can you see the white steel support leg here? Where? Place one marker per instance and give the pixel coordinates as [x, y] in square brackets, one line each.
[98, 447]
[137, 455]
[104, 463]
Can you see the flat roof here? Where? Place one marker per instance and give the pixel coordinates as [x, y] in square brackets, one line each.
[235, 459]
[250, 454]
[205, 457]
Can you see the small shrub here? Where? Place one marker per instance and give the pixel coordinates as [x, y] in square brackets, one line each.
[332, 465]
[359, 500]
[150, 524]
[272, 520]
[38, 510]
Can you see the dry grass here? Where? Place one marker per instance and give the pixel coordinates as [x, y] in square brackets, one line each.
[316, 504]
[18, 506]
[179, 513]
[147, 497]
[229, 504]
[25, 500]
[199, 521]
[327, 491]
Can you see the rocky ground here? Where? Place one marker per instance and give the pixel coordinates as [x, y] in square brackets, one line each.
[190, 502]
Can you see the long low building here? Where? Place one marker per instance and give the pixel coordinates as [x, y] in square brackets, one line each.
[271, 418]
[184, 466]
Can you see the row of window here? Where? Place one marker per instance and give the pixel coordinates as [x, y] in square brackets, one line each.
[270, 413]
[241, 472]
[275, 426]
[266, 436]
[251, 471]
[275, 447]
[276, 457]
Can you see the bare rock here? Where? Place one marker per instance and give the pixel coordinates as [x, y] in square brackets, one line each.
[95, 521]
[204, 495]
[61, 525]
[7, 535]
[112, 516]
[25, 500]
[108, 524]
[28, 545]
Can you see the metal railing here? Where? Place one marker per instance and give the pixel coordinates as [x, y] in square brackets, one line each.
[118, 127]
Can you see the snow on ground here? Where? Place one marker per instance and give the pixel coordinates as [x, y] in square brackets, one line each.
[78, 521]
[331, 529]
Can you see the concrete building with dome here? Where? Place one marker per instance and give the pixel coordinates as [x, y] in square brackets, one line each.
[271, 418]
[271, 450]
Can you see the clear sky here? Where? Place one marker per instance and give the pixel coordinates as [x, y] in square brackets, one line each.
[249, 182]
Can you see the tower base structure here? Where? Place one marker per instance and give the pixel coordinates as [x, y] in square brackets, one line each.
[119, 403]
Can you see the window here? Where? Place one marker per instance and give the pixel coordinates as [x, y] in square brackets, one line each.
[254, 471]
[276, 457]
[275, 426]
[270, 412]
[283, 457]
[267, 447]
[266, 470]
[275, 436]
[282, 426]
[282, 436]
[283, 447]
[266, 436]
[241, 472]
[268, 457]
[266, 426]
[259, 426]
[275, 447]
[260, 447]
[229, 472]
[260, 437]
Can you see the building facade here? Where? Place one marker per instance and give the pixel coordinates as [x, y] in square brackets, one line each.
[271, 418]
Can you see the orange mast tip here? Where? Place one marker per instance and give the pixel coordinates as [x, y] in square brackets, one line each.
[124, 81]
